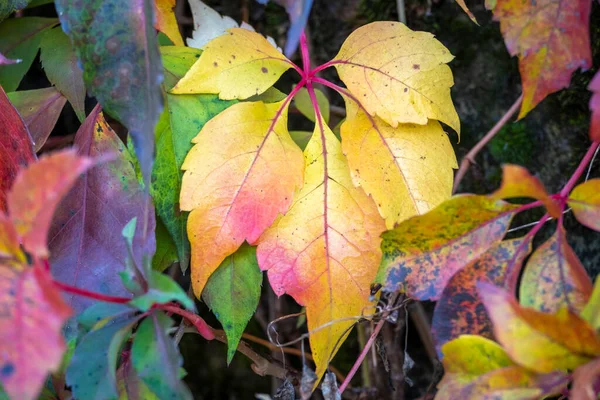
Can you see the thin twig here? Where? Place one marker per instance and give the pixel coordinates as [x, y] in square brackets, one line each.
[470, 157]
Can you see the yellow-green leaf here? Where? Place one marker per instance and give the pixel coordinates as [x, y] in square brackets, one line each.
[585, 202]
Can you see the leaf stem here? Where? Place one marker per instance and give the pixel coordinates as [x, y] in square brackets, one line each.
[89, 294]
[201, 326]
[305, 56]
[564, 193]
[470, 157]
[321, 67]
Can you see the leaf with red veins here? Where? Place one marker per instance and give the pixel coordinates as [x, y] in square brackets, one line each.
[16, 146]
[551, 38]
[36, 193]
[31, 345]
[325, 251]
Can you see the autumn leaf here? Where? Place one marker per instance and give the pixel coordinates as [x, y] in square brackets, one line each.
[21, 39]
[36, 193]
[166, 21]
[324, 251]
[585, 379]
[60, 64]
[459, 311]
[591, 311]
[86, 248]
[554, 277]
[398, 74]
[156, 359]
[116, 44]
[237, 65]
[463, 5]
[233, 292]
[419, 258]
[584, 200]
[130, 386]
[518, 182]
[10, 248]
[33, 314]
[16, 146]
[40, 109]
[594, 87]
[479, 369]
[408, 170]
[538, 341]
[241, 173]
[552, 40]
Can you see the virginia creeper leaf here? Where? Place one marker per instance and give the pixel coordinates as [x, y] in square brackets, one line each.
[539, 341]
[241, 173]
[459, 311]
[166, 251]
[584, 200]
[21, 41]
[304, 104]
[554, 277]
[398, 74]
[130, 386]
[552, 40]
[166, 21]
[301, 138]
[419, 257]
[591, 311]
[37, 192]
[518, 182]
[176, 63]
[100, 314]
[478, 368]
[156, 358]
[236, 65]
[60, 63]
[463, 5]
[594, 87]
[33, 313]
[117, 46]
[162, 289]
[16, 146]
[324, 251]
[7, 7]
[91, 373]
[407, 170]
[40, 109]
[86, 248]
[233, 292]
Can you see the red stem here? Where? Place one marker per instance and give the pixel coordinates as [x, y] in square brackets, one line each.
[564, 193]
[203, 328]
[92, 295]
[321, 67]
[305, 56]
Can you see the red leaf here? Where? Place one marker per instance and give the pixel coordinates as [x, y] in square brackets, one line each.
[594, 87]
[16, 146]
[36, 193]
[31, 319]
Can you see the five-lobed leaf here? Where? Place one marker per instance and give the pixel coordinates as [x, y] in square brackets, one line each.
[237, 65]
[552, 40]
[554, 277]
[233, 292]
[459, 311]
[420, 257]
[241, 173]
[584, 200]
[398, 74]
[324, 251]
[408, 170]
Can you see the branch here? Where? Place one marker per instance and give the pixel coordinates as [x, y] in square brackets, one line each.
[92, 295]
[564, 193]
[470, 157]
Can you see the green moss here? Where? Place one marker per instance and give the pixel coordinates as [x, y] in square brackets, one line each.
[512, 145]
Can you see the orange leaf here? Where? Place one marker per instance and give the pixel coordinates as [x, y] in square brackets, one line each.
[585, 381]
[166, 22]
[551, 38]
[554, 277]
[462, 4]
[538, 341]
[32, 345]
[459, 310]
[36, 192]
[241, 173]
[518, 182]
[585, 202]
[422, 253]
[324, 251]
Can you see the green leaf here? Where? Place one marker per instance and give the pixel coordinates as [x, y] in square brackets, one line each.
[91, 373]
[156, 359]
[177, 60]
[131, 276]
[130, 386]
[116, 43]
[60, 63]
[166, 251]
[162, 289]
[232, 292]
[20, 40]
[7, 7]
[305, 106]
[301, 138]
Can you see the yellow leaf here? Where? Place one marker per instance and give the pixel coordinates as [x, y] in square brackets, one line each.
[165, 21]
[591, 311]
[398, 74]
[407, 170]
[237, 65]
[241, 173]
[325, 251]
[585, 202]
